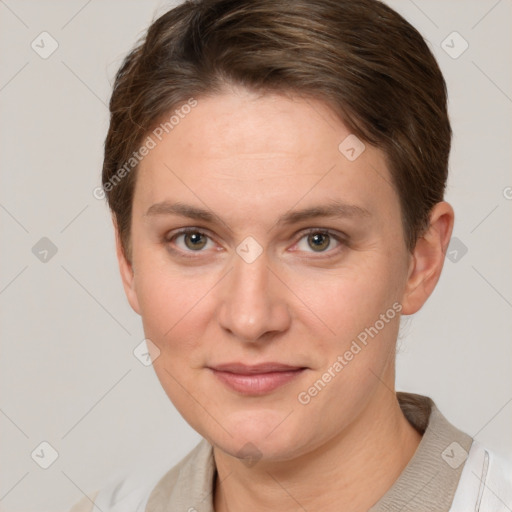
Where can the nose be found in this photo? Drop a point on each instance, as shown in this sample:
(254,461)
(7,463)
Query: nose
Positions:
(253,305)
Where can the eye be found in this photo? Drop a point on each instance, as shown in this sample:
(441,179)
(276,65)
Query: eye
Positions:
(191,240)
(318,241)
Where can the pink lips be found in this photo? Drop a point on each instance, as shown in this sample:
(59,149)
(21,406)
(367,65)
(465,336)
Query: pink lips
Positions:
(255,379)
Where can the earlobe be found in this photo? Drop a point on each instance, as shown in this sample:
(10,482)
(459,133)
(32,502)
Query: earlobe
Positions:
(127,272)
(427,259)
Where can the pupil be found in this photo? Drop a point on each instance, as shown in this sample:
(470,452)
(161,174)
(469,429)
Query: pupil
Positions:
(318,241)
(195,241)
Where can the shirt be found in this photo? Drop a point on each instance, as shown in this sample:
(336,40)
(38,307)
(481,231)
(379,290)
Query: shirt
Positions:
(431,481)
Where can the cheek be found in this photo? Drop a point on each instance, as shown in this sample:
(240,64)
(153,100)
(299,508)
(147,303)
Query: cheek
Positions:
(175,314)
(363,311)
(349,299)
(167,299)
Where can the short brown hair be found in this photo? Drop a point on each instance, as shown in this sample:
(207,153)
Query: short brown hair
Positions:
(361,57)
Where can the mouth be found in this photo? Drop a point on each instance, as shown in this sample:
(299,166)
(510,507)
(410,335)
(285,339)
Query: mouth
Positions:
(255,379)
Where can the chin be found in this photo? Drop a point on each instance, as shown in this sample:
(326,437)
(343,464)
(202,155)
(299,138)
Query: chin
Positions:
(260,435)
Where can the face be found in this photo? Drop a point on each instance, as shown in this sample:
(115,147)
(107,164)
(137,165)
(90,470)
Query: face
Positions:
(269,270)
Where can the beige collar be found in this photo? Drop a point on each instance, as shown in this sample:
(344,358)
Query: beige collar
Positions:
(428,482)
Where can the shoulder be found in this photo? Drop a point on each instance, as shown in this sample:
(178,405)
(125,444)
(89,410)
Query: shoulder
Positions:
(485,483)
(132,492)
(128,494)
(188,483)
(86,504)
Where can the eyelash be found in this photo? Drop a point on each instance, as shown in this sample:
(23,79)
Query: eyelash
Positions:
(340,239)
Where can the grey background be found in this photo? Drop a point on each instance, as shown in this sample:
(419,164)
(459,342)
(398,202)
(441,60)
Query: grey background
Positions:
(68,373)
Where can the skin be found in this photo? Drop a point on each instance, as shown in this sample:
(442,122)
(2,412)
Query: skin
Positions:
(249,159)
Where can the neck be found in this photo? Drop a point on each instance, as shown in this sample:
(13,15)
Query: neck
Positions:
(352,471)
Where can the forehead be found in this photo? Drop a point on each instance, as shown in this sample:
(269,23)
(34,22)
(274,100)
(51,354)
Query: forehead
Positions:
(249,149)
(245,123)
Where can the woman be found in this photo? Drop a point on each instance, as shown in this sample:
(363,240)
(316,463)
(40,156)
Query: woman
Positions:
(276,171)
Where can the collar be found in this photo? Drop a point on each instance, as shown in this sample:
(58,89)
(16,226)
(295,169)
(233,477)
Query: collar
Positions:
(428,482)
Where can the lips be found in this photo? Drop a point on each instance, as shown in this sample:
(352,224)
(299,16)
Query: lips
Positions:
(255,379)
(243,369)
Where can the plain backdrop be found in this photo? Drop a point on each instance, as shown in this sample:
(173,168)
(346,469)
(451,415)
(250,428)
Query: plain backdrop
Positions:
(68,373)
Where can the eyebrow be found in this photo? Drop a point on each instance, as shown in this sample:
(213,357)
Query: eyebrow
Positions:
(183,210)
(333,209)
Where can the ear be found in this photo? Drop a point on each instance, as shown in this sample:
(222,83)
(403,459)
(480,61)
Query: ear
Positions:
(127,271)
(427,258)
